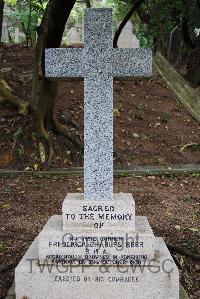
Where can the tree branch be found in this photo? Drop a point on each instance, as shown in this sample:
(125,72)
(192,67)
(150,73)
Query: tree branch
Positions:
(133,9)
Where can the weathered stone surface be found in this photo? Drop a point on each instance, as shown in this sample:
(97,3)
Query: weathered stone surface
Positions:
(120,212)
(63,63)
(187,95)
(98,105)
(90,246)
(11,293)
(127,39)
(97,255)
(73,36)
(132,63)
(98,63)
(150,282)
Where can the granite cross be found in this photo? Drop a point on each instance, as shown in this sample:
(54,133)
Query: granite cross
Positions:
(98,62)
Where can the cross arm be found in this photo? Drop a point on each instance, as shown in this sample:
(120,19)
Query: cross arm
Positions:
(132,63)
(64,63)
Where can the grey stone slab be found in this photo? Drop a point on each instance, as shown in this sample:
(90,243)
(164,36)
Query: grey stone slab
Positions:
(98,28)
(98,63)
(62,63)
(93,247)
(132,62)
(153,282)
(98,138)
(11,293)
(99,215)
(98,105)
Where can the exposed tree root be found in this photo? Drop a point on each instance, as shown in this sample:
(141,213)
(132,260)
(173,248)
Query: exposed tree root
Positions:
(61,129)
(183,251)
(44,134)
(6,96)
(41,115)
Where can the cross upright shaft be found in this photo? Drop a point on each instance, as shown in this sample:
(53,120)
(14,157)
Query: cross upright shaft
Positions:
(98,106)
(98,63)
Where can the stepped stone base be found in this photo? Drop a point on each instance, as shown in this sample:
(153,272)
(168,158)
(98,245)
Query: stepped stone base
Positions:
(158,281)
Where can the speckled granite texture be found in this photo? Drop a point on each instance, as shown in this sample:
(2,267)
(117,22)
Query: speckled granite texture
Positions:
(98,63)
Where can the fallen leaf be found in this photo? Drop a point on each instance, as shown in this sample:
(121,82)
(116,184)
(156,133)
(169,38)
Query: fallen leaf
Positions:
(116,112)
(177,227)
(197,267)
(2,246)
(6,206)
(168,213)
(35,166)
(135,135)
(194,229)
(181,261)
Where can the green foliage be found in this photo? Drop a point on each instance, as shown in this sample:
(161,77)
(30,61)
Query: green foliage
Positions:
(12,2)
(18,133)
(163,17)
(26,14)
(2,247)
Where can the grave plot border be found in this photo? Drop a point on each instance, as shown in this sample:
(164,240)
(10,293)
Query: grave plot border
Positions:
(172,170)
(187,96)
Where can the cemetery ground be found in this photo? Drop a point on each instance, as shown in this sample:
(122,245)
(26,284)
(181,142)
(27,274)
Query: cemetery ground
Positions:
(170,203)
(150,128)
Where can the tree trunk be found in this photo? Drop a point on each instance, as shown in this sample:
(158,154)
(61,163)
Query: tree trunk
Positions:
(133,9)
(143,15)
(185,33)
(50,34)
(87,3)
(198,3)
(37,71)
(193,67)
(185,28)
(28,29)
(1,16)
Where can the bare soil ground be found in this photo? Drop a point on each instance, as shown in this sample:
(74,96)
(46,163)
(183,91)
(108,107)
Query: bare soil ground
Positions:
(150,126)
(171,205)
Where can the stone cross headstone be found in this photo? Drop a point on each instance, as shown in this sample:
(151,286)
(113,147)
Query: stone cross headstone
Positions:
(135,41)
(98,63)
(5,37)
(73,36)
(127,39)
(97,248)
(18,35)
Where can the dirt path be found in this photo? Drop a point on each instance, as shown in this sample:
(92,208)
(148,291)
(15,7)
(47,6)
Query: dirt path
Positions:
(150,126)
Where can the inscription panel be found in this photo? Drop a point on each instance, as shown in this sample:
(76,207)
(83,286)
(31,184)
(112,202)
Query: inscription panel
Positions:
(89,247)
(99,214)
